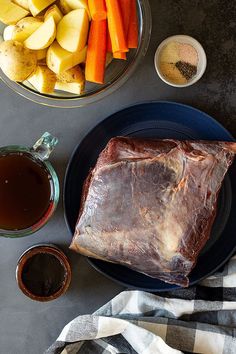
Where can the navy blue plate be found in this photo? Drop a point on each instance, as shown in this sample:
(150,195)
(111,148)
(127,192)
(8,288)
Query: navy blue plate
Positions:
(159,120)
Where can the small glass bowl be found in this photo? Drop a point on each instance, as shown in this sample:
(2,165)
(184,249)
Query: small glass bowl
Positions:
(48,249)
(116,73)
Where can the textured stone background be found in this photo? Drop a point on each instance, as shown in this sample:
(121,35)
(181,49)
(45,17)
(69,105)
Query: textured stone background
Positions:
(213,24)
(28,327)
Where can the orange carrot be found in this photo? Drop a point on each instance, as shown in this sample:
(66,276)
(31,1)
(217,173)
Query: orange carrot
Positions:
(116,27)
(109,47)
(96,52)
(125,13)
(125,6)
(97,9)
(119,55)
(133,26)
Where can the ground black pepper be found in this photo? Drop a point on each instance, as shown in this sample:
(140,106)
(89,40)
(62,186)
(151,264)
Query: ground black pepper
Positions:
(186,69)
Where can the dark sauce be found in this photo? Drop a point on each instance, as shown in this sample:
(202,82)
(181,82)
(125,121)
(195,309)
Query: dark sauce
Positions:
(43,274)
(25,191)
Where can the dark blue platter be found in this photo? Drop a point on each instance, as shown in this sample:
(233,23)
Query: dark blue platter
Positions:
(159,120)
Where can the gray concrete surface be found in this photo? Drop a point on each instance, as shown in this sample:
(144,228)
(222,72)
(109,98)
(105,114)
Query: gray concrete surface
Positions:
(29,327)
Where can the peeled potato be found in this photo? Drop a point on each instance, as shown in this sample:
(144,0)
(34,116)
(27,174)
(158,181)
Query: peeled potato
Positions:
(43,36)
(74,74)
(36,6)
(59,59)
(72,30)
(11,13)
(43,79)
(55,12)
(24,28)
(22,3)
(16,61)
(72,87)
(71,80)
(79,4)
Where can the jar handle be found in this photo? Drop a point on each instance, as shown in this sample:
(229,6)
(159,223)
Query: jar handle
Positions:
(44,146)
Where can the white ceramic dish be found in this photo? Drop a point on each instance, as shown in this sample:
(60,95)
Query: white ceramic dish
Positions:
(202,60)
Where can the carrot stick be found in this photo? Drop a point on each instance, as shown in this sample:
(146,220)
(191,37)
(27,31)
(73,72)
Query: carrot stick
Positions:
(133,26)
(97,9)
(116,27)
(109,47)
(96,52)
(119,55)
(125,6)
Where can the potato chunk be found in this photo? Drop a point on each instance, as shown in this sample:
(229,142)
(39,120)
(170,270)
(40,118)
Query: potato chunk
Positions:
(16,61)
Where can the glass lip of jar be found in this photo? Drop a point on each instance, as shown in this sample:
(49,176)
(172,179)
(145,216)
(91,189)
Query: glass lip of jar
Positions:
(55,193)
(39,249)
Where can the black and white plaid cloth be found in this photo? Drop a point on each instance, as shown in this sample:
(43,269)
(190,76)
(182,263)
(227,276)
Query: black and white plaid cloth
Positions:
(200,319)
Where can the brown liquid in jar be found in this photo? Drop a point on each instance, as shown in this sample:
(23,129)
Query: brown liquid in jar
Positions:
(25,191)
(43,274)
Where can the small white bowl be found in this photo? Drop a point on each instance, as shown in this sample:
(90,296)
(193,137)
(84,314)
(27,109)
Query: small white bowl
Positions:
(202,60)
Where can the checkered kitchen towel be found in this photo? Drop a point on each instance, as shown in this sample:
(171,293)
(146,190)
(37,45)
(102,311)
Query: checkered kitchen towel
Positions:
(200,319)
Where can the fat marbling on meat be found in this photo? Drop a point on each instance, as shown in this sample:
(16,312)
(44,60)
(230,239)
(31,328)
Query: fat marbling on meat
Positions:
(150,204)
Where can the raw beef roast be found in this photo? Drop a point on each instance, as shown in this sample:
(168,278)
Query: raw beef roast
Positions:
(150,204)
